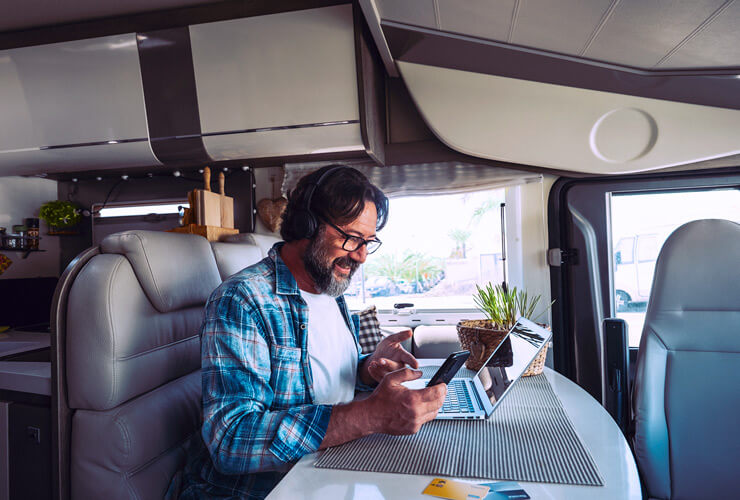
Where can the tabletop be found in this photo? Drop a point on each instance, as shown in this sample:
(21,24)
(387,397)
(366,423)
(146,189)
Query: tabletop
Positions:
(594,425)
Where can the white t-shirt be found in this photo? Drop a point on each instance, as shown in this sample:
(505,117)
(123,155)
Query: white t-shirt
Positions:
(331,350)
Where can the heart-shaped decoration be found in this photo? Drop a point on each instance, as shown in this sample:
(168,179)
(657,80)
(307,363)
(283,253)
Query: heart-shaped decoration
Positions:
(271,211)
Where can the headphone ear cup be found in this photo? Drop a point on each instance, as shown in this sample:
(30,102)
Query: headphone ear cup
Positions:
(304,224)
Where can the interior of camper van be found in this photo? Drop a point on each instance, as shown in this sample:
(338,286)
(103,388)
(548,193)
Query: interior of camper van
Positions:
(575,164)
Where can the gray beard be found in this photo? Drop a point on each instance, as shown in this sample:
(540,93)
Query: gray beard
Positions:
(320,267)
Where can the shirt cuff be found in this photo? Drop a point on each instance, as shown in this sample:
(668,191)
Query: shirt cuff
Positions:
(302,435)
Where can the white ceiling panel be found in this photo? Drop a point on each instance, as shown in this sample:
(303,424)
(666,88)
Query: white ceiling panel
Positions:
(565,26)
(640,33)
(416,12)
(480,18)
(717,44)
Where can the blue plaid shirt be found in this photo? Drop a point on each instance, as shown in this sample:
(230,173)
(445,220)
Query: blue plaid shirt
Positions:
(258,412)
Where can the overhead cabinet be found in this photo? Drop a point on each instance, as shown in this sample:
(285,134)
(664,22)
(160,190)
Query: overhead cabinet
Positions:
(276,85)
(72,106)
(267,86)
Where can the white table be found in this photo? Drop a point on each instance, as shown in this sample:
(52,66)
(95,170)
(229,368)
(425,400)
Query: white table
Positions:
(595,426)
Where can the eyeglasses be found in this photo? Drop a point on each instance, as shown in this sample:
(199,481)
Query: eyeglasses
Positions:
(353,243)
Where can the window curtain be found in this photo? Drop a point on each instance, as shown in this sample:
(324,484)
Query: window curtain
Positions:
(422,179)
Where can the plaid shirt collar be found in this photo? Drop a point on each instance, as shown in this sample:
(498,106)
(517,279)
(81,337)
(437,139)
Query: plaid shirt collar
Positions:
(285,283)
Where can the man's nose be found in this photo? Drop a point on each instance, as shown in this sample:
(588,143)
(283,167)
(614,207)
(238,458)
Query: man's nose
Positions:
(360,255)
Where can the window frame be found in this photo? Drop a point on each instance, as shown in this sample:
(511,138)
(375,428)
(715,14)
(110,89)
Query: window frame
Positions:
(579,223)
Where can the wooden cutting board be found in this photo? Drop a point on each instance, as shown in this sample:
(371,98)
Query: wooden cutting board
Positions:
(227,203)
(207,203)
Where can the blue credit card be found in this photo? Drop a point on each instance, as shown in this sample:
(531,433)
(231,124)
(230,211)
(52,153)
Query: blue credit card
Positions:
(505,490)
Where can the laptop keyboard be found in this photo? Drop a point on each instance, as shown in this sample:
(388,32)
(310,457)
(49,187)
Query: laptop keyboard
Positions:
(458,398)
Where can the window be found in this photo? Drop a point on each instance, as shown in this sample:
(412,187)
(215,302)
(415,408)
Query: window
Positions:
(435,250)
(648,219)
(151,215)
(625,251)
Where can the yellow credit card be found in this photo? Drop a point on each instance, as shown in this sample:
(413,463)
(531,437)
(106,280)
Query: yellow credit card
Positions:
(455,490)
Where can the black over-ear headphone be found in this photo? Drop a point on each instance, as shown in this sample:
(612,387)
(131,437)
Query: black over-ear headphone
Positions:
(306,222)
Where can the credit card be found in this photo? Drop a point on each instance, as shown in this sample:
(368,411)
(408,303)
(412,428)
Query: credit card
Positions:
(505,490)
(455,490)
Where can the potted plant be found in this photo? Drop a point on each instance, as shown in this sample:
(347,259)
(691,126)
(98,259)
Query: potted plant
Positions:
(60,216)
(502,306)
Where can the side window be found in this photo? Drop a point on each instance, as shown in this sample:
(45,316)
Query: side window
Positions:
(625,251)
(652,217)
(435,250)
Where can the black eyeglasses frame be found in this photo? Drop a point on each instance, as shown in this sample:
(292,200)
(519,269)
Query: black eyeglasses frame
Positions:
(347,237)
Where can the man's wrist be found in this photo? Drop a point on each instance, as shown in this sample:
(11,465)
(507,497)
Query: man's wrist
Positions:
(364,373)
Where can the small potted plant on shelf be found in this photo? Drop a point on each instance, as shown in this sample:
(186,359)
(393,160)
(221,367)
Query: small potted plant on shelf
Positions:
(62,217)
(502,306)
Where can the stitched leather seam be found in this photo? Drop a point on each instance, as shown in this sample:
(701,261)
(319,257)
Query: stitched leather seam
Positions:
(146,464)
(149,265)
(158,348)
(114,271)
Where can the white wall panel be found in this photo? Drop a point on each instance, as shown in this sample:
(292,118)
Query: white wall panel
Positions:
(566,128)
(21,197)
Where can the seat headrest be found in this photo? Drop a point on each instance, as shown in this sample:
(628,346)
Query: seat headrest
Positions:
(263,241)
(698,268)
(174,270)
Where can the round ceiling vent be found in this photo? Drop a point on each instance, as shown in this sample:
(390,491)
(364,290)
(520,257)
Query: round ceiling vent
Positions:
(623,135)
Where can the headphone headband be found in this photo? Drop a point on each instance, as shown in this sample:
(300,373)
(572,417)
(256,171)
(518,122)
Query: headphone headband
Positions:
(314,186)
(306,222)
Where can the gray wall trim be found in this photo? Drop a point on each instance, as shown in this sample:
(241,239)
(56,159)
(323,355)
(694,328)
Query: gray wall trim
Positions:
(170,96)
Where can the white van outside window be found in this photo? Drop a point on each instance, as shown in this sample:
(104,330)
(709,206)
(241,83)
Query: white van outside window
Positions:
(641,223)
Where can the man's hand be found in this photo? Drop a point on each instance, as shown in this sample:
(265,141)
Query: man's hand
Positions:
(388,357)
(390,409)
(394,409)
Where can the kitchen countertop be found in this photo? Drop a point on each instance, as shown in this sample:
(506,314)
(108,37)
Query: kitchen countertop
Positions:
(24,376)
(15,342)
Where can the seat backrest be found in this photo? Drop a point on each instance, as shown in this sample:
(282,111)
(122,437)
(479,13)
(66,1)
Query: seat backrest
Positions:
(132,357)
(126,359)
(685,401)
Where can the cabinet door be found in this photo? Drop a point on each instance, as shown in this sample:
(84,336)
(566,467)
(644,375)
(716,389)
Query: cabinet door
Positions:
(279,84)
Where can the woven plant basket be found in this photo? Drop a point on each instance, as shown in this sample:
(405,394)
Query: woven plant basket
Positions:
(481,339)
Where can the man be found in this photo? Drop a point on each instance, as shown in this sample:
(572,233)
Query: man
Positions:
(280,355)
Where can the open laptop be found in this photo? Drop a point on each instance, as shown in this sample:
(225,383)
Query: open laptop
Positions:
(478,397)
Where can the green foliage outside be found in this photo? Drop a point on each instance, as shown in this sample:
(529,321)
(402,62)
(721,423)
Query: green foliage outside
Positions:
(410,266)
(60,214)
(460,237)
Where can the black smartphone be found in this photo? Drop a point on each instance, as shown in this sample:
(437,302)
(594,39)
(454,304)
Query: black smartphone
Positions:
(449,368)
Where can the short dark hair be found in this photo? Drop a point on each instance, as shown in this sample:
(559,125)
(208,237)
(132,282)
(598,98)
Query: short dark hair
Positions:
(340,199)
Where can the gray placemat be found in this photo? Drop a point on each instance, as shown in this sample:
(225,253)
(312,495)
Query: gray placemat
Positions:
(528,438)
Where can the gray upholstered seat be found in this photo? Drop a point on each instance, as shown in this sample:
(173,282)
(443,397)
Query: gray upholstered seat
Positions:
(686,402)
(127,360)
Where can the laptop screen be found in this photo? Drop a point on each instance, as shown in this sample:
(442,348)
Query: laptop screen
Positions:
(511,359)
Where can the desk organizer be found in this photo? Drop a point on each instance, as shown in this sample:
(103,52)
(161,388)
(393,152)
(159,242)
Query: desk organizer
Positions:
(528,438)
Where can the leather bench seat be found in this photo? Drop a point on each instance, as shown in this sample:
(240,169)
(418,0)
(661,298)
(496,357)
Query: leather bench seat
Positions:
(127,322)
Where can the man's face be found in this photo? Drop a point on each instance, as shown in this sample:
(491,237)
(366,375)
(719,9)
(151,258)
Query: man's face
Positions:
(329,265)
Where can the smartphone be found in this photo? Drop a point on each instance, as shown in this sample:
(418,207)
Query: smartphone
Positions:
(449,368)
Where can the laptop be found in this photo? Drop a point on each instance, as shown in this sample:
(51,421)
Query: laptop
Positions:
(478,397)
